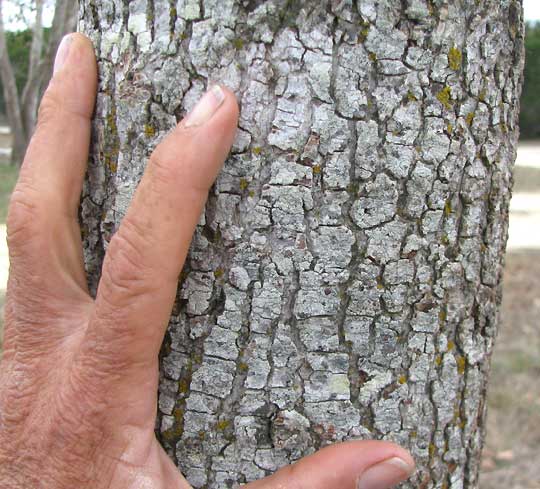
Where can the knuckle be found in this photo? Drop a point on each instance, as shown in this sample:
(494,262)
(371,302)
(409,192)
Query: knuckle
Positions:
(125,273)
(178,160)
(163,166)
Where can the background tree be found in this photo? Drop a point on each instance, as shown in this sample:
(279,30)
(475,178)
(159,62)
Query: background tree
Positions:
(21,106)
(345,278)
(529,120)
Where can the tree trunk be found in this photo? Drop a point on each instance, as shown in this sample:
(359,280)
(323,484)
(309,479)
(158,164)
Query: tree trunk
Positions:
(64,22)
(11,97)
(31,92)
(345,279)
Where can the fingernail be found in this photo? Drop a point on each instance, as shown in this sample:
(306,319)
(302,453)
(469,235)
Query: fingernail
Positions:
(62,53)
(206,108)
(385,474)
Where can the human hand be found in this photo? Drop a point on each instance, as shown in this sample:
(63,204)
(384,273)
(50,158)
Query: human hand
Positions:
(78,379)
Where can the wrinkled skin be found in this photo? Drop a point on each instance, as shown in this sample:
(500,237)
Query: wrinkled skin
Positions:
(78,379)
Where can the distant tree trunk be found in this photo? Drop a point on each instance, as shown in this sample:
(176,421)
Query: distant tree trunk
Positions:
(64,21)
(22,110)
(344,281)
(11,97)
(31,93)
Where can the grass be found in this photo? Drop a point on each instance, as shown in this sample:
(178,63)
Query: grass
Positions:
(517,362)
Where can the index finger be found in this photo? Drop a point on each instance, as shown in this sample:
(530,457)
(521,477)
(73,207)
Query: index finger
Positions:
(146,255)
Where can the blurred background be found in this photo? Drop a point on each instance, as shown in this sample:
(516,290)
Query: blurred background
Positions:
(30,31)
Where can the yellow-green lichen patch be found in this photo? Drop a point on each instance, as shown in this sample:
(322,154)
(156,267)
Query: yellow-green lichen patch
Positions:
(469,118)
(149,131)
(218,273)
(244,184)
(111,162)
(238,43)
(411,97)
(257,150)
(178,415)
(482,95)
(372,57)
(461,364)
(317,169)
(111,121)
(449,129)
(183,386)
(445,97)
(438,360)
(183,36)
(362,36)
(223,424)
(402,379)
(448,208)
(177,430)
(451,345)
(455,58)
(442,317)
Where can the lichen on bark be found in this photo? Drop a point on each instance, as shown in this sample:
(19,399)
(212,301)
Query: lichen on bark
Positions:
(344,280)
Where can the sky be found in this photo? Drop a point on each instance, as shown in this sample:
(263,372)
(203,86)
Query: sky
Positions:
(531,7)
(10,11)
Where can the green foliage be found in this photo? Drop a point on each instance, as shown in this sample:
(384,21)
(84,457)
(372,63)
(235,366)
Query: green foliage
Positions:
(530,101)
(18,45)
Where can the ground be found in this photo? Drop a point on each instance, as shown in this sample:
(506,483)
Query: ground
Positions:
(513,440)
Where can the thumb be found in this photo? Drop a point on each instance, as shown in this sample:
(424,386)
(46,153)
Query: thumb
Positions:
(350,465)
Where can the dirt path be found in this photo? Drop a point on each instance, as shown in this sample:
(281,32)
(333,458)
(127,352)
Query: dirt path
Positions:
(512,453)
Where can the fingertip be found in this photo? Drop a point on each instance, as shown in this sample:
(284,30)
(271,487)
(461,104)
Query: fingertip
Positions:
(364,453)
(225,122)
(231,105)
(74,51)
(377,464)
(74,79)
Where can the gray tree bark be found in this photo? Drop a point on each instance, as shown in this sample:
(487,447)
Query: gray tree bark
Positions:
(345,279)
